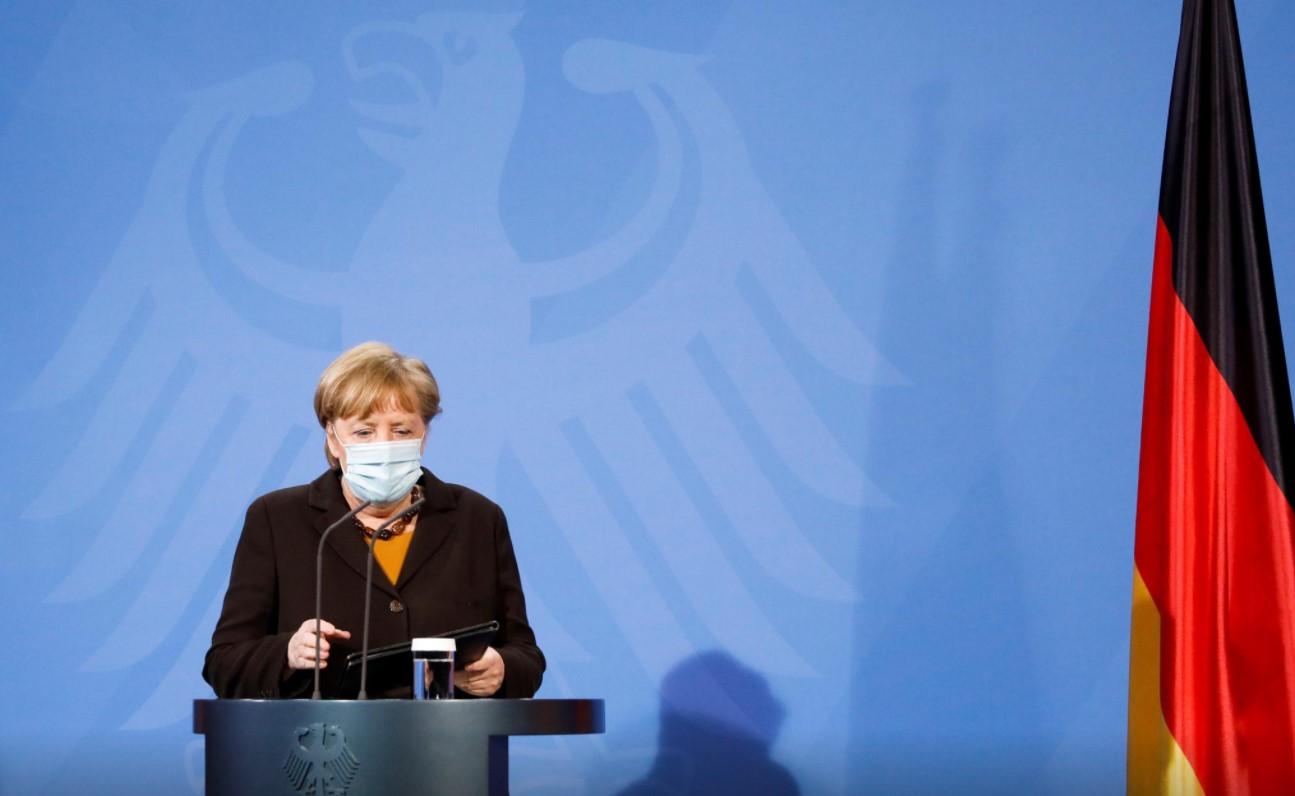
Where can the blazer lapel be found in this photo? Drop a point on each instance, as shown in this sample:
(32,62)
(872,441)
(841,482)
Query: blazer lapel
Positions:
(435,524)
(325,495)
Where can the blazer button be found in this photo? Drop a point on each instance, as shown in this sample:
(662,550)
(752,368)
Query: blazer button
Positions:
(396,606)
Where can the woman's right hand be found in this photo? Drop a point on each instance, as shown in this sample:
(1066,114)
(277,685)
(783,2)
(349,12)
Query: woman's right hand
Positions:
(301,647)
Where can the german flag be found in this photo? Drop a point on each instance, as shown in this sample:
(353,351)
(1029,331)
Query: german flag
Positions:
(1212,663)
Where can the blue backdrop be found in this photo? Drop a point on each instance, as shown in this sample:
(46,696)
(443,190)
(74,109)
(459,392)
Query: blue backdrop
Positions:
(802,343)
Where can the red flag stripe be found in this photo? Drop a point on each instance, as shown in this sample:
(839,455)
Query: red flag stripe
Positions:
(1214,547)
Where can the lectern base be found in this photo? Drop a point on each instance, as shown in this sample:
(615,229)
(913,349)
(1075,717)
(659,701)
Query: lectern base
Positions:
(352,748)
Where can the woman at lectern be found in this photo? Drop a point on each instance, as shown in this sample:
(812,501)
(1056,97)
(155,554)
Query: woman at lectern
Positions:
(448,566)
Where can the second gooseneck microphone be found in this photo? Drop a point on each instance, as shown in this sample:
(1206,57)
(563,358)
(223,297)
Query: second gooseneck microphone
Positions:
(379,534)
(319,581)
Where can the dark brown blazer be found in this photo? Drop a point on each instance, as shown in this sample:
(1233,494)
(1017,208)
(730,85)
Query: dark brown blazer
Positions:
(459,570)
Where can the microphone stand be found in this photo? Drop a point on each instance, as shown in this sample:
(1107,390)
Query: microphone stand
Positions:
(379,534)
(319,582)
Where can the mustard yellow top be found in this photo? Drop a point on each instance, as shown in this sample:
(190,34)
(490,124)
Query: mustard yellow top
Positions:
(390,554)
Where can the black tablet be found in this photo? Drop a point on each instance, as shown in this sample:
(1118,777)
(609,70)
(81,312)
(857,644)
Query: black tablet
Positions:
(391,666)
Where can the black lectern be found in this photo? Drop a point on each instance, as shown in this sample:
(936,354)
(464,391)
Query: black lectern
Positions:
(379,746)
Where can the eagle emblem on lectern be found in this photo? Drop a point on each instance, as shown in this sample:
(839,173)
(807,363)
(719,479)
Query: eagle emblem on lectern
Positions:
(319,761)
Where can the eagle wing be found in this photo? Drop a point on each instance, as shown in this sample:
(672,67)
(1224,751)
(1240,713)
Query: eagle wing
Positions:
(192,367)
(714,439)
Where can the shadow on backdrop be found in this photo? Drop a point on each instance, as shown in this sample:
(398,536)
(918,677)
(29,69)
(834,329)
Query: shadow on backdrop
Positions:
(944,697)
(718,723)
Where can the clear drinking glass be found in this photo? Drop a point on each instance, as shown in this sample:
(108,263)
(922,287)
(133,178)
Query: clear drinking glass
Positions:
(433,668)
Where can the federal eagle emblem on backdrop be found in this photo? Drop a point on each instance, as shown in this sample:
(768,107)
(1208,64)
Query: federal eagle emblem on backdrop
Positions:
(669,411)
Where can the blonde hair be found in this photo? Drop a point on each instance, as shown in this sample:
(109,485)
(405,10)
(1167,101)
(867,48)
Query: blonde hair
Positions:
(371,377)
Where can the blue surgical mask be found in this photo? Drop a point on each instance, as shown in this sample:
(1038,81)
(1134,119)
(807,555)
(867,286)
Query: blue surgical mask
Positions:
(383,472)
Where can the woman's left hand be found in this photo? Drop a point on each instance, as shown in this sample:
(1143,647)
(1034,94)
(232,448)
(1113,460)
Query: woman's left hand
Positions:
(483,676)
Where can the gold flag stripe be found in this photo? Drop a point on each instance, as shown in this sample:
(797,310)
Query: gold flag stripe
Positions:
(1156,764)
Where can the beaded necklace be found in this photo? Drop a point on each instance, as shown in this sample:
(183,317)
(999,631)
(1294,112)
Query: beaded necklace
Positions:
(397,527)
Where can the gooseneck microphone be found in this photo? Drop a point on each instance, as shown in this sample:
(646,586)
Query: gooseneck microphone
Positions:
(380,534)
(319,581)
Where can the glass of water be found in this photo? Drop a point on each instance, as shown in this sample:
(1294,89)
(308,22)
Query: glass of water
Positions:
(433,668)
